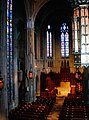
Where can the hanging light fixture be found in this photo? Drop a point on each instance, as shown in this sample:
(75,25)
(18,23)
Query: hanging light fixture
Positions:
(30,75)
(1,83)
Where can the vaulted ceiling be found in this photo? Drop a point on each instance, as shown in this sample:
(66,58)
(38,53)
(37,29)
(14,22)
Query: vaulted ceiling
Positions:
(54,12)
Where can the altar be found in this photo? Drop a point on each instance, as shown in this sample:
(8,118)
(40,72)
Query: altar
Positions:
(64,89)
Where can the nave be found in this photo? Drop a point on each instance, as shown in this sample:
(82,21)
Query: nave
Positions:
(44,44)
(62,102)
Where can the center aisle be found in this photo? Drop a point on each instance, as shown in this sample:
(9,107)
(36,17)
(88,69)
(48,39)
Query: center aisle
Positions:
(54,114)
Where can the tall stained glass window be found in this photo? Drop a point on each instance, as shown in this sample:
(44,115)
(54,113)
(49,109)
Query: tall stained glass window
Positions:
(76,31)
(9,51)
(49,42)
(64,40)
(84,35)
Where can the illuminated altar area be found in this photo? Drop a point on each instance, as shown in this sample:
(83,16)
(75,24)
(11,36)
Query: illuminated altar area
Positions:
(64,89)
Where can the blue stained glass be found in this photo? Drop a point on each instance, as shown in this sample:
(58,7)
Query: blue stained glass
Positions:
(62,43)
(64,27)
(9,51)
(64,40)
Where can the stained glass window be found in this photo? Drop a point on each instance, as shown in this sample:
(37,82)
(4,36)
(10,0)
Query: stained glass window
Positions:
(9,51)
(64,40)
(84,35)
(49,42)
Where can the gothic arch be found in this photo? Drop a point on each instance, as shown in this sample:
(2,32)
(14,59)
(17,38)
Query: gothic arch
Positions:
(37,9)
(36,5)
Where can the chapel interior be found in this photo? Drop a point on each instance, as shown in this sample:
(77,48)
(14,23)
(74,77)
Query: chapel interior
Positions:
(44,60)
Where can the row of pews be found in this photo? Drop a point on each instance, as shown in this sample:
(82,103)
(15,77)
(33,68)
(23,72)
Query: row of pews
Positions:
(37,110)
(74,108)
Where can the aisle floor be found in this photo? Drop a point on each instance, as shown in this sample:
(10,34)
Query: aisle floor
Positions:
(54,114)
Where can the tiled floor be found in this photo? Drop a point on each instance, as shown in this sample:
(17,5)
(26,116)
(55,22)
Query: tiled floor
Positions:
(54,114)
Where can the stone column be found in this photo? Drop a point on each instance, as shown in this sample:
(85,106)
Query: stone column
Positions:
(15,67)
(30,61)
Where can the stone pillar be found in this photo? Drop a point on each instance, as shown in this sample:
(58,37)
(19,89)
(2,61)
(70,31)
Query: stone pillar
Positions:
(30,61)
(15,38)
